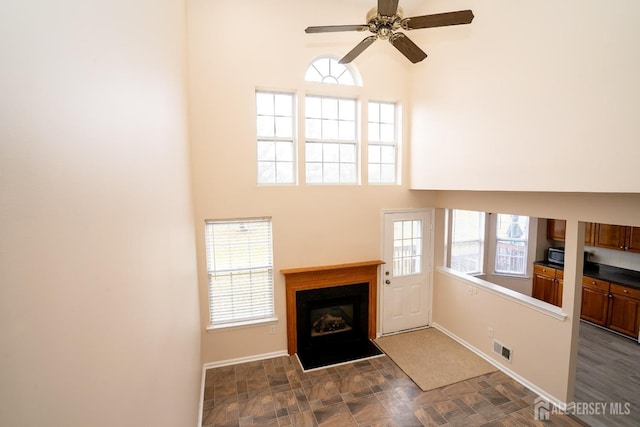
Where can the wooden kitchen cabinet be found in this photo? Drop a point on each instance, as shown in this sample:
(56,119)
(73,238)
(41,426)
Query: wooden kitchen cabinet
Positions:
(613,306)
(624,310)
(548,284)
(556,230)
(619,237)
(589,234)
(633,239)
(595,300)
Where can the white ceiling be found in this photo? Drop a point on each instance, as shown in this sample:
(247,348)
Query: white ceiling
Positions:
(407,5)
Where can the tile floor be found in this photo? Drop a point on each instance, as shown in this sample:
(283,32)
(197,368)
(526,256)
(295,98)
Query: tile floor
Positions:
(373,392)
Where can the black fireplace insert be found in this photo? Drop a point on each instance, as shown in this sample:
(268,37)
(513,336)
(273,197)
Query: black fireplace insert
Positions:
(332,325)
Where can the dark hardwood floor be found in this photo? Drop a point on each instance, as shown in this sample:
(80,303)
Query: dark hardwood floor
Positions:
(374,392)
(608,372)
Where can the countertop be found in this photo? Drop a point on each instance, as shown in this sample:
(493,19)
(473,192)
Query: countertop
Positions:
(608,273)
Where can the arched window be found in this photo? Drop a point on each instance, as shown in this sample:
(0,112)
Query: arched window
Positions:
(329,70)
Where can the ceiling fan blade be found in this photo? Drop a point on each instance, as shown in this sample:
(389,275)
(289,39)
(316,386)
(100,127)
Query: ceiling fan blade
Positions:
(407,47)
(360,47)
(335,28)
(387,7)
(438,20)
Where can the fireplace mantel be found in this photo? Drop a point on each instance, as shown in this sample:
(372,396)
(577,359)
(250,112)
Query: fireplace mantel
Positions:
(300,279)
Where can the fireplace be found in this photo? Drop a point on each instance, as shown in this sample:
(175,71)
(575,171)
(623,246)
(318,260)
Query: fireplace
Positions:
(331,313)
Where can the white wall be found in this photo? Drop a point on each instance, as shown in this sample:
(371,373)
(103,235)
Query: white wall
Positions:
(312,225)
(532,96)
(544,347)
(98,295)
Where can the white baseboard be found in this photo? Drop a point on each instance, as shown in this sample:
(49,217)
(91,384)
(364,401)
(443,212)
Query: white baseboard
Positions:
(553,400)
(246,359)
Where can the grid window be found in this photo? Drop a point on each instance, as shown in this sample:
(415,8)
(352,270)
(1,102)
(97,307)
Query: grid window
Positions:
(512,233)
(331,146)
(467,241)
(240,267)
(382,147)
(407,247)
(275,138)
(329,70)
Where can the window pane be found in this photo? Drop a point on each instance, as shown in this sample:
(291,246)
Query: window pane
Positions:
(313,107)
(374,173)
(284,127)
(329,108)
(347,131)
(339,159)
(347,109)
(512,233)
(348,173)
(312,75)
(266,126)
(374,154)
(407,247)
(264,103)
(283,105)
(285,172)
(313,152)
(388,154)
(374,112)
(284,151)
(387,133)
(240,266)
(382,129)
(331,172)
(387,173)
(314,173)
(274,127)
(266,150)
(329,70)
(347,153)
(322,65)
(314,128)
(331,153)
(374,132)
(330,129)
(467,241)
(387,113)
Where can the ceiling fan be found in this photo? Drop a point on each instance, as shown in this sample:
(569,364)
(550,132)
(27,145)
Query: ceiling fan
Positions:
(384,21)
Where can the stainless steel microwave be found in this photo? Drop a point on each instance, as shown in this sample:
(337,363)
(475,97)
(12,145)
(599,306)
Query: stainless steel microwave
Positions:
(555,256)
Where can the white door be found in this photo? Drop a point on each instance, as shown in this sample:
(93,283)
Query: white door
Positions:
(406,274)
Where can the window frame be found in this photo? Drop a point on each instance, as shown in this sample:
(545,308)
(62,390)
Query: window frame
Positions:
(482,238)
(380,143)
(495,243)
(275,139)
(263,310)
(325,143)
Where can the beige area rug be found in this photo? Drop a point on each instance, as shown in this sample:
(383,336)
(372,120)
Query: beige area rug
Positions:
(432,359)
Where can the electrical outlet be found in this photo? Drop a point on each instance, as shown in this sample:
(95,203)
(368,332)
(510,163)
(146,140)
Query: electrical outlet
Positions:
(490,332)
(272,329)
(470,290)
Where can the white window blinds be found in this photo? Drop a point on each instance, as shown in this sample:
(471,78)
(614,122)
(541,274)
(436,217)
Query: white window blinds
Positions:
(240,267)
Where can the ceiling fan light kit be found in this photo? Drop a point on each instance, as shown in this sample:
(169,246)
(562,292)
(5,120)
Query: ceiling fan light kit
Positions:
(384,22)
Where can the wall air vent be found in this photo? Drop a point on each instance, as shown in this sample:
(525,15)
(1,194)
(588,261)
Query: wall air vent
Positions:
(502,350)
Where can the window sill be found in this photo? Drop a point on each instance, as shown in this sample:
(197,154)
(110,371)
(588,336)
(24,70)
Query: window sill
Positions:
(522,299)
(513,276)
(244,324)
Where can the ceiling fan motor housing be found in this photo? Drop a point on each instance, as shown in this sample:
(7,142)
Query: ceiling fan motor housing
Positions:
(382,25)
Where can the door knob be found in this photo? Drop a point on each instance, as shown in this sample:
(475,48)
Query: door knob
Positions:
(388,282)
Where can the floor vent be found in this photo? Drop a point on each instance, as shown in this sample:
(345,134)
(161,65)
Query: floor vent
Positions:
(502,350)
